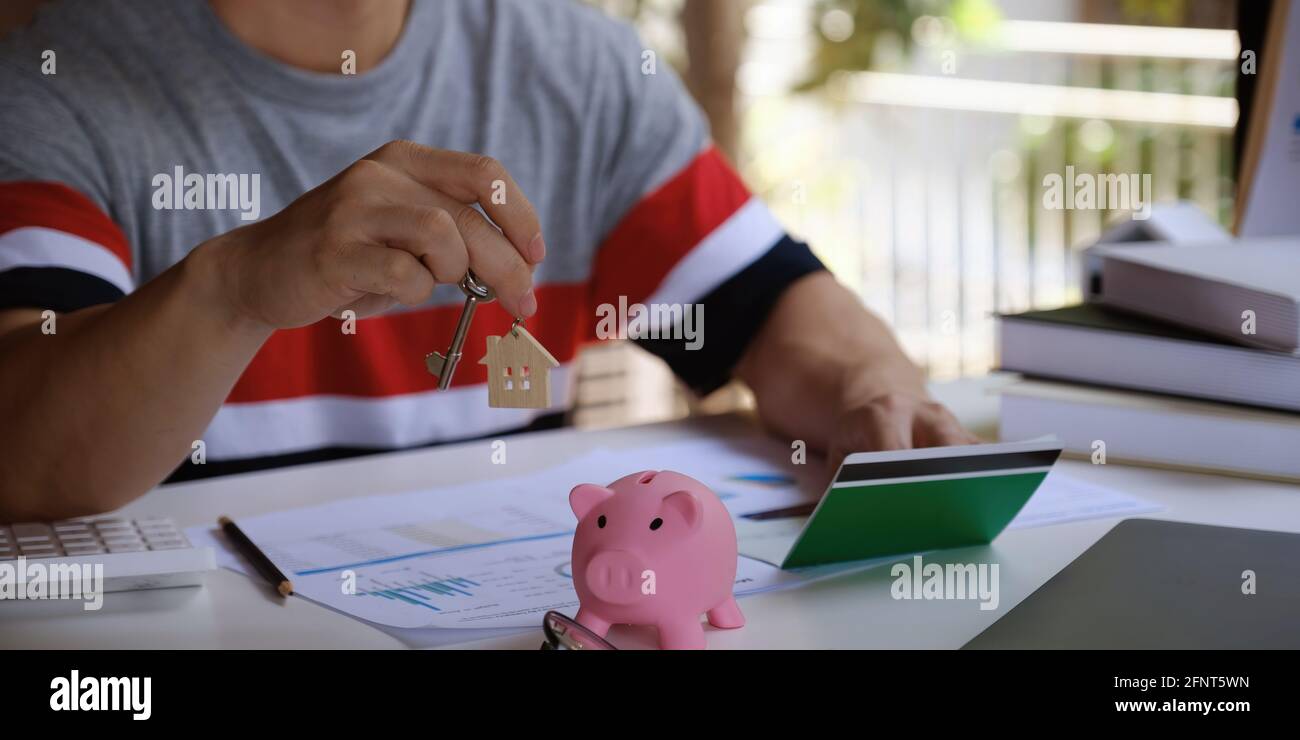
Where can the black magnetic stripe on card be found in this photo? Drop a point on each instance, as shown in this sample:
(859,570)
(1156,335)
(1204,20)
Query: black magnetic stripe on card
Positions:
(946,465)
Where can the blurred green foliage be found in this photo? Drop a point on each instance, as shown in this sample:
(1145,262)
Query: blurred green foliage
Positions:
(882,32)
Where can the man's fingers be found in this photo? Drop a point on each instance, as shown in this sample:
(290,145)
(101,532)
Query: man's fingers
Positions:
(890,425)
(382,271)
(428,233)
(472,178)
(366,306)
(872,427)
(937,427)
(450,238)
(395,210)
(492,258)
(444,232)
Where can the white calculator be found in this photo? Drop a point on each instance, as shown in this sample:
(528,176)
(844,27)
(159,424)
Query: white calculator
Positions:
(136,553)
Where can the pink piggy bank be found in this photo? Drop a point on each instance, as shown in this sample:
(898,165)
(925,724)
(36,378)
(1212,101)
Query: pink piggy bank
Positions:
(654,548)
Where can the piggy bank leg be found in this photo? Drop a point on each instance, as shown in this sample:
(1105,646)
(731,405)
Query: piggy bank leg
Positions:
(685,634)
(727,615)
(592,622)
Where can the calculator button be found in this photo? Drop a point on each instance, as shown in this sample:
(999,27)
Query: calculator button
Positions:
(126,548)
(167,545)
(32,530)
(77,539)
(84,550)
(163,536)
(119,537)
(35,542)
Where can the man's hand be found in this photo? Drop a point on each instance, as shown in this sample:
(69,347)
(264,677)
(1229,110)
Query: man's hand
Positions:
(826,371)
(127,387)
(383,231)
(896,420)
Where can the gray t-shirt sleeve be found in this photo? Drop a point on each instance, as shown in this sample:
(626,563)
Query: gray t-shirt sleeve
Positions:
(59,248)
(46,139)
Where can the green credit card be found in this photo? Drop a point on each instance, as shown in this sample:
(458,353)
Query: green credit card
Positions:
(906,501)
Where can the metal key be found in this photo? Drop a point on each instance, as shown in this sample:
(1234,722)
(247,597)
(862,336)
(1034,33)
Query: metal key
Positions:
(444,366)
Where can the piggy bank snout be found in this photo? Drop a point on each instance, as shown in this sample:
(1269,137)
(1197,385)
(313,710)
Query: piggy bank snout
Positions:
(614,576)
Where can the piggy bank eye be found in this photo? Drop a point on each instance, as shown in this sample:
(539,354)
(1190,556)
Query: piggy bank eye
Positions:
(656,524)
(600,522)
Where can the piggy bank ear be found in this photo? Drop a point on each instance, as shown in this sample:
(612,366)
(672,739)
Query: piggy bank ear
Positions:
(687,506)
(587,496)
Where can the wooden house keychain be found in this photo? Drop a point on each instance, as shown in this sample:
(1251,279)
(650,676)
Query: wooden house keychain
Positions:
(519,370)
(519,367)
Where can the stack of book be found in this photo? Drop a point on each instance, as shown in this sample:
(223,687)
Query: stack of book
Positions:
(1185,356)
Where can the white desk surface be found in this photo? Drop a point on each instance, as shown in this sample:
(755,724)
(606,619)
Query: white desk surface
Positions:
(851,611)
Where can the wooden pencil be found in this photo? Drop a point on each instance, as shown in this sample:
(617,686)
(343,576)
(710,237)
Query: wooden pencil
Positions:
(255,556)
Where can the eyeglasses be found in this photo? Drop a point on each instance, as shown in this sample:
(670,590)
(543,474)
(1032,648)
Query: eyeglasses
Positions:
(563,633)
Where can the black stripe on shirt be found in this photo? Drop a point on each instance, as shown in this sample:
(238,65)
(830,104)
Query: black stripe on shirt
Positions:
(733,314)
(55,288)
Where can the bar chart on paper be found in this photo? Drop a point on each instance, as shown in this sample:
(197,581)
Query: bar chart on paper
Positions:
(496,585)
(423,593)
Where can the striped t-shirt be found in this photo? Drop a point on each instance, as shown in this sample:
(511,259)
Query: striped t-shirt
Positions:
(145,96)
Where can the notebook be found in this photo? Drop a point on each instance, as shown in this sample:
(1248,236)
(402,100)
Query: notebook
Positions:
(1244,292)
(1089,344)
(1156,430)
(1166,586)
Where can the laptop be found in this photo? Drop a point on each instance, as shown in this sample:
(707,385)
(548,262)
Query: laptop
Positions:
(1152,584)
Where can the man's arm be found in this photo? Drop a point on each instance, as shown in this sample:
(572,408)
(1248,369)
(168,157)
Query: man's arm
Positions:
(827,371)
(106,406)
(100,410)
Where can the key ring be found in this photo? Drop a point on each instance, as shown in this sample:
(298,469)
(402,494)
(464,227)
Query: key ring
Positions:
(471,286)
(514,326)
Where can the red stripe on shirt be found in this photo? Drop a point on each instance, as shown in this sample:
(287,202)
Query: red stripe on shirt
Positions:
(385,357)
(53,205)
(665,226)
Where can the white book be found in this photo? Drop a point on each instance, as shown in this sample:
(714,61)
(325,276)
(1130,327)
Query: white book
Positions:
(1089,344)
(1245,292)
(1130,427)
(1179,222)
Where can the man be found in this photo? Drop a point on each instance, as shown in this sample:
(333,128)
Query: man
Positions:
(148,302)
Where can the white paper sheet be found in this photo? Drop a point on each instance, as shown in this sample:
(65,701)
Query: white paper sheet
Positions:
(491,554)
(477,560)
(1063,499)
